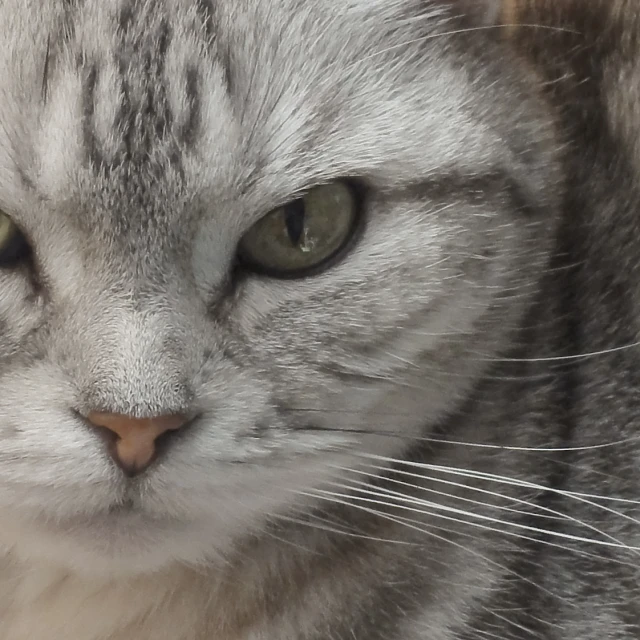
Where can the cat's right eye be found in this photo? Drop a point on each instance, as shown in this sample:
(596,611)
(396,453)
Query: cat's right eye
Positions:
(13,245)
(305,236)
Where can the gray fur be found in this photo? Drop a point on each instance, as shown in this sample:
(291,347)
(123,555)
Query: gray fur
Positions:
(340,479)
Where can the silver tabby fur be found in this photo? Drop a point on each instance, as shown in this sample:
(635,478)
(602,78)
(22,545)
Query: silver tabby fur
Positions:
(411,445)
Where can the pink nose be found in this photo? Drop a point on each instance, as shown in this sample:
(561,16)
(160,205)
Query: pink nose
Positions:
(134,445)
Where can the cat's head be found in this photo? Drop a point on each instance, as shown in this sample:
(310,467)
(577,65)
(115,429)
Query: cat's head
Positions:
(303,227)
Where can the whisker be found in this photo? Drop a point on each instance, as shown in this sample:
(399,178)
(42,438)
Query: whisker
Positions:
(552,513)
(455,32)
(326,526)
(402,521)
(447,509)
(512,623)
(418,526)
(591,470)
(544,541)
(555,515)
(451,441)
(360,483)
(577,357)
(481,475)
(483,633)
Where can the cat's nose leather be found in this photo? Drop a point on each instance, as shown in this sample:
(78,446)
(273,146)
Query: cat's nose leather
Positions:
(133,445)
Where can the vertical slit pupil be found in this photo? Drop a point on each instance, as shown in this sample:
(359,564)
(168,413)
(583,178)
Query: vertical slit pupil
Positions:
(294,215)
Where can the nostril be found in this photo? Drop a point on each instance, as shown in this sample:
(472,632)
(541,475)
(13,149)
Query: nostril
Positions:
(125,425)
(110,440)
(168,439)
(134,443)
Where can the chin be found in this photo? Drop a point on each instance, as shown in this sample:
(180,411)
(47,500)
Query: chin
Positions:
(132,529)
(120,543)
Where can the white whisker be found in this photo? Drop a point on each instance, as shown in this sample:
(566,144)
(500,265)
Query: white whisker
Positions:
(511,623)
(403,504)
(455,32)
(444,494)
(419,527)
(586,498)
(577,357)
(458,532)
(462,443)
(324,525)
(547,512)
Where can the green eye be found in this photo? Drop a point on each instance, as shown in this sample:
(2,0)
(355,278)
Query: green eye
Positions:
(303,236)
(13,244)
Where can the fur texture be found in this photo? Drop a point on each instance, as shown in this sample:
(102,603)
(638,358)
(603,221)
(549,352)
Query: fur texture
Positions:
(413,444)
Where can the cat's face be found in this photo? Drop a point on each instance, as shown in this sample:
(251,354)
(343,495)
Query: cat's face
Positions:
(139,143)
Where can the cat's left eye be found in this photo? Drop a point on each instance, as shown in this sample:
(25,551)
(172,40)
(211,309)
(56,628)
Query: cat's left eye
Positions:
(13,245)
(305,235)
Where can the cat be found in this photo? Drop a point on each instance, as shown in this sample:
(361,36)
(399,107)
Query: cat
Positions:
(319,320)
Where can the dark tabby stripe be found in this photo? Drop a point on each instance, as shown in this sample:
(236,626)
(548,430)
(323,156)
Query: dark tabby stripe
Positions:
(144,118)
(91,145)
(45,72)
(189,131)
(206,12)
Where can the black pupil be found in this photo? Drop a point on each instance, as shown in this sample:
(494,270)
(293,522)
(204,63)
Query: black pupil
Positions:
(294,220)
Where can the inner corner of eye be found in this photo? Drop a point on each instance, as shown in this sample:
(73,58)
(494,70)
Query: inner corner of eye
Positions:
(6,223)
(13,244)
(7,228)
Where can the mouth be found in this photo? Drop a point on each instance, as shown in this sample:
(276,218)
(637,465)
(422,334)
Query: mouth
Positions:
(122,519)
(124,508)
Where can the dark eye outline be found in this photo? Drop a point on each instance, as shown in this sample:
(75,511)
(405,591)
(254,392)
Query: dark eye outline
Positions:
(357,190)
(15,250)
